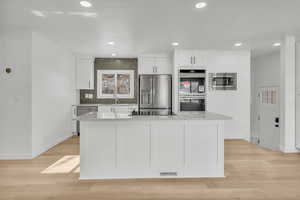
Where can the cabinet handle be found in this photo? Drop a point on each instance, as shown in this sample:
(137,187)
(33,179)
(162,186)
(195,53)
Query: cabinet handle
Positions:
(194,59)
(89,84)
(154,69)
(191,60)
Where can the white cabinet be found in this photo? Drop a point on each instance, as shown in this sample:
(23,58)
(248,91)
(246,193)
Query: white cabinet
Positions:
(133,145)
(143,148)
(167,145)
(102,139)
(191,58)
(155,65)
(201,144)
(74,112)
(85,73)
(74,127)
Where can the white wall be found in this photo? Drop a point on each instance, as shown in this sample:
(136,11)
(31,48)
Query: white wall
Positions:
(288,95)
(265,72)
(53,91)
(232,103)
(36,99)
(15,101)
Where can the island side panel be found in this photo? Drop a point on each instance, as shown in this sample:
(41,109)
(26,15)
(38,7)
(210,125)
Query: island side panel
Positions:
(204,149)
(97,148)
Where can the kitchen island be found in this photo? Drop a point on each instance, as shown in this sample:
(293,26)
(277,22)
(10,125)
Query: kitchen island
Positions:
(177,146)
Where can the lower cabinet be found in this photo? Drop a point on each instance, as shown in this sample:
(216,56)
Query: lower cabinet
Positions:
(201,147)
(151,149)
(133,145)
(167,143)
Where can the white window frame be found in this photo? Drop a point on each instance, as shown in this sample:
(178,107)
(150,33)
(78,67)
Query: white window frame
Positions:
(100,74)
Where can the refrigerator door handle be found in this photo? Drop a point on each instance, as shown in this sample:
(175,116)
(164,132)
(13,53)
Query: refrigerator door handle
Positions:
(149,98)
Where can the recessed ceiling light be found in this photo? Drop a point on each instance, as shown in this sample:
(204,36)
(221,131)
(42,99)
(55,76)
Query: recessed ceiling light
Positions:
(201,5)
(277,44)
(175,44)
(238,44)
(113,54)
(38,13)
(111,43)
(85,4)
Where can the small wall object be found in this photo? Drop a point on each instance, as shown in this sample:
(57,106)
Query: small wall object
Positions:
(8,70)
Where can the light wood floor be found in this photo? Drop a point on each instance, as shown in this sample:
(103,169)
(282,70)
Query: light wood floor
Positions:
(251,173)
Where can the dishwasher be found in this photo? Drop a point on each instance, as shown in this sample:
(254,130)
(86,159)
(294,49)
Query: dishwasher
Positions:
(82,110)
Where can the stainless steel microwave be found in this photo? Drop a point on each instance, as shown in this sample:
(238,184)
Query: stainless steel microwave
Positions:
(223,81)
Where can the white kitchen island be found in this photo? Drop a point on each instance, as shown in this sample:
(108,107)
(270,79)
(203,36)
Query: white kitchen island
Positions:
(181,146)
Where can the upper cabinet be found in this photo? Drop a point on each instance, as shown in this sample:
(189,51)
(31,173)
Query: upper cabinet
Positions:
(155,64)
(85,73)
(191,58)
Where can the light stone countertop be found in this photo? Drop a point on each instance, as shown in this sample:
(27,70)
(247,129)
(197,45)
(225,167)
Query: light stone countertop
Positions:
(95,116)
(104,105)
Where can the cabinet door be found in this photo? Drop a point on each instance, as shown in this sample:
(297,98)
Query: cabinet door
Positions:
(163,65)
(85,73)
(185,58)
(167,139)
(133,144)
(104,109)
(200,59)
(74,112)
(201,144)
(147,65)
(74,127)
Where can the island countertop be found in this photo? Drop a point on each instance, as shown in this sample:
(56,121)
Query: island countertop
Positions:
(96,116)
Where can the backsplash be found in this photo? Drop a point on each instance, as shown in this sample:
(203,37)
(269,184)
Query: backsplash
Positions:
(90,96)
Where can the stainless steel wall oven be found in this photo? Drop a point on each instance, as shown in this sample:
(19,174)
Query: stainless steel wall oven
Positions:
(192,90)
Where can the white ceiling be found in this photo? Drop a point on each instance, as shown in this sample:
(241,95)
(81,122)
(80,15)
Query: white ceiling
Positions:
(150,26)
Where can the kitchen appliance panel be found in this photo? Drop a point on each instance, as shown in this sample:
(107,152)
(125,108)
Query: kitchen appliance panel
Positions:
(155,94)
(192,103)
(146,91)
(192,95)
(223,81)
(162,86)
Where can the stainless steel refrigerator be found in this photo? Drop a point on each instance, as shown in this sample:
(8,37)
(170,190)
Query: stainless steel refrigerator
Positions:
(155,94)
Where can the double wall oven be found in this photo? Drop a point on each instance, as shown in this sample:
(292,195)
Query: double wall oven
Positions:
(192,92)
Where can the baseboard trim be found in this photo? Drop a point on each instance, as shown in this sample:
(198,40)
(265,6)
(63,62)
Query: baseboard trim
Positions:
(51,145)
